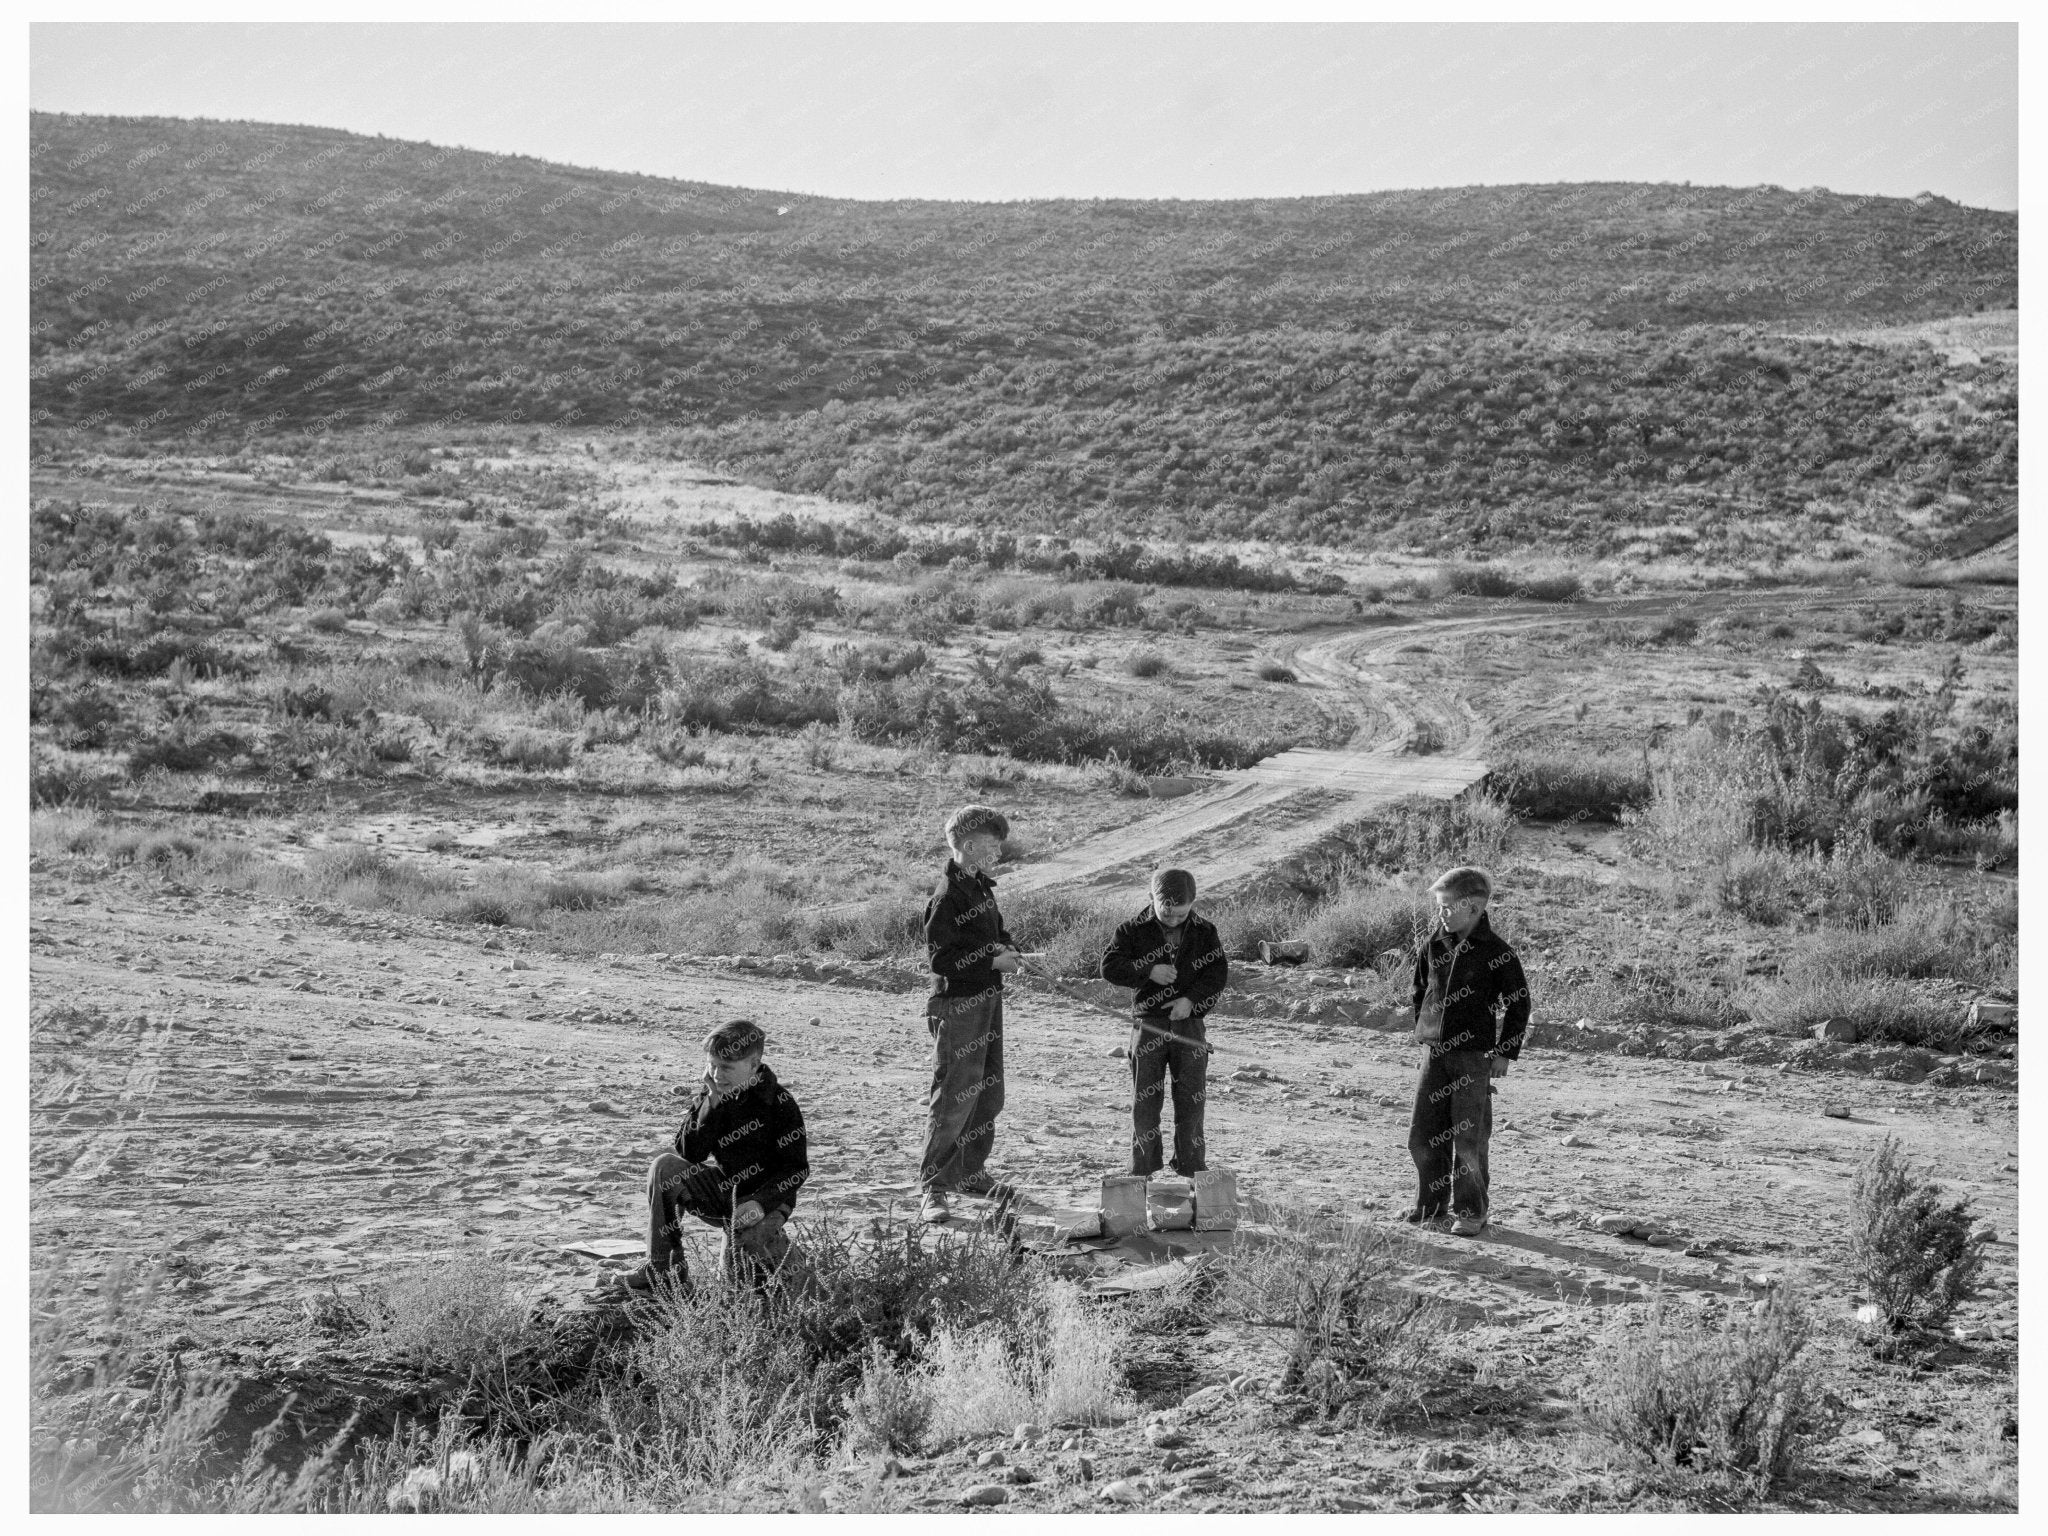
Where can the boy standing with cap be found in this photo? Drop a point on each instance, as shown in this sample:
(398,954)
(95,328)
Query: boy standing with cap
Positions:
(1471,1012)
(1172,959)
(970,952)
(738,1162)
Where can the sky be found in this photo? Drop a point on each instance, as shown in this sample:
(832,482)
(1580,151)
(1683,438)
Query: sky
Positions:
(1153,111)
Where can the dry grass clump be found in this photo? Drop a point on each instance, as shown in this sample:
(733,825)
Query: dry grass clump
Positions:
(1579,786)
(1851,883)
(1929,936)
(1360,1346)
(1731,1400)
(1357,926)
(1495,581)
(1883,1007)
(460,1314)
(1073,932)
(1911,1248)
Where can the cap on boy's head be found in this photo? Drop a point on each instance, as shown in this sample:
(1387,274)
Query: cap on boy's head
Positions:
(734,1041)
(970,819)
(1174,885)
(1465,883)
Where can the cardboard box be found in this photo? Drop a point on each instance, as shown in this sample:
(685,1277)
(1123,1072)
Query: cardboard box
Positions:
(1170,1205)
(1123,1204)
(1215,1200)
(1072,1224)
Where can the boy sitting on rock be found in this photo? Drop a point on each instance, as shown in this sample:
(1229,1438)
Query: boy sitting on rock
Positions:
(738,1162)
(1172,959)
(1471,1012)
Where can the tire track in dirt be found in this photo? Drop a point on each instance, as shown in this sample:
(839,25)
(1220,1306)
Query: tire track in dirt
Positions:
(97,1155)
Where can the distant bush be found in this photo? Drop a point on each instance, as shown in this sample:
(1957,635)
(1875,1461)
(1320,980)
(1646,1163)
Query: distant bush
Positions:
(1798,776)
(533,750)
(1911,1248)
(185,747)
(1928,937)
(1265,912)
(1356,927)
(1852,883)
(1492,581)
(1887,1008)
(1072,931)
(1733,1400)
(1145,664)
(1571,786)
(1419,832)
(1123,779)
(1273,672)
(63,781)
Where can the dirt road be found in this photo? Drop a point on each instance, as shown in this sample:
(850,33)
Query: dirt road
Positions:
(1416,736)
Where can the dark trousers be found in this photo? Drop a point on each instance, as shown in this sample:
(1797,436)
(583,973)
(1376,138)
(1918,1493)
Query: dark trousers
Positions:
(752,1252)
(1180,1049)
(967,1086)
(1448,1135)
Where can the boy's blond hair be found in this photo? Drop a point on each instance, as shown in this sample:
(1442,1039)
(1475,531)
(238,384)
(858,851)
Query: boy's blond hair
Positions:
(1464,883)
(970,819)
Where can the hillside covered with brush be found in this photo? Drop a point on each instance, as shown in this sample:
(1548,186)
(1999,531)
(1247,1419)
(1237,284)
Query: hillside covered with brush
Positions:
(1435,369)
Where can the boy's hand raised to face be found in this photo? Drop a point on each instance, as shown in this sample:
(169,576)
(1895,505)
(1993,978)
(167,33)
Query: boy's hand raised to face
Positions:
(1162,974)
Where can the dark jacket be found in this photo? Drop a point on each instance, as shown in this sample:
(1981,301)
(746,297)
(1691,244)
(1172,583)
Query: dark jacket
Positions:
(756,1137)
(1459,987)
(1141,943)
(962,932)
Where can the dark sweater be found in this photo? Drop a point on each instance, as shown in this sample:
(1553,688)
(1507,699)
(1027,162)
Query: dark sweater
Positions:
(1196,953)
(756,1137)
(963,930)
(1464,985)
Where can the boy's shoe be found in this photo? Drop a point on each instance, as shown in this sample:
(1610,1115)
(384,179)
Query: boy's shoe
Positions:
(1468,1226)
(644,1279)
(936,1206)
(1416,1216)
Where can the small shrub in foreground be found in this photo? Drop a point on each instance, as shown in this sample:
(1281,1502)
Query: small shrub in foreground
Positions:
(1145,664)
(1731,1399)
(1911,1248)
(1274,672)
(890,1408)
(1358,1342)
(460,1314)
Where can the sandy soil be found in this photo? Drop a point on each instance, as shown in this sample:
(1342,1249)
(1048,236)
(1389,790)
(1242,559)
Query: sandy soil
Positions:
(281,1096)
